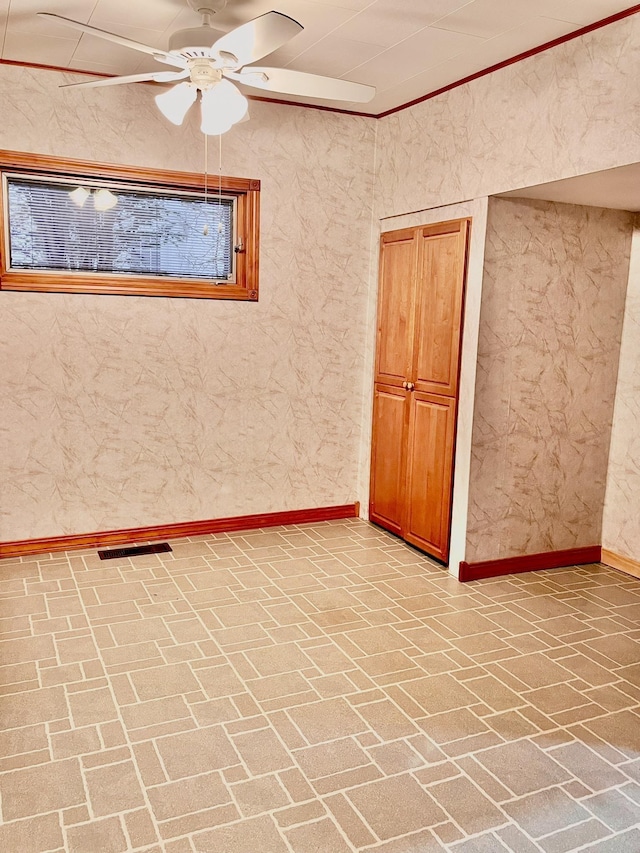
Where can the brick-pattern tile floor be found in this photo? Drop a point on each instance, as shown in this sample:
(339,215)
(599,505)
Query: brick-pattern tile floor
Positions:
(315,689)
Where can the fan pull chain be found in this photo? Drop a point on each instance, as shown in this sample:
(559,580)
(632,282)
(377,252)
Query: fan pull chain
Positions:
(205,230)
(220,226)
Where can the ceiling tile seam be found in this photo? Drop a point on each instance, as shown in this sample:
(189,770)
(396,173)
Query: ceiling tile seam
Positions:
(389,47)
(320,40)
(454,56)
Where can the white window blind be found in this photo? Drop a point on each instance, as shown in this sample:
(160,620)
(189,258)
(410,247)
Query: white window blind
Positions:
(147,233)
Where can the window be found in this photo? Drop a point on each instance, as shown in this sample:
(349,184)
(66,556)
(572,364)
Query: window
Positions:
(87,228)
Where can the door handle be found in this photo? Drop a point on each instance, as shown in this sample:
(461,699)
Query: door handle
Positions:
(410,386)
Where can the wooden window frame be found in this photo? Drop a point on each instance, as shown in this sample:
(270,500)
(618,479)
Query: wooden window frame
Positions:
(246,191)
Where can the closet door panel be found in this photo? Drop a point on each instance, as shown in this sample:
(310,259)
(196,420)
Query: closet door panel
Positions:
(390,423)
(440,291)
(430,473)
(398,258)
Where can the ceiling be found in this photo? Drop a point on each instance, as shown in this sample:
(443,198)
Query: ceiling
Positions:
(615,188)
(405,48)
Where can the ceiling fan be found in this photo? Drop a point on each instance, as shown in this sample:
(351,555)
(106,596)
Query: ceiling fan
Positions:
(208,60)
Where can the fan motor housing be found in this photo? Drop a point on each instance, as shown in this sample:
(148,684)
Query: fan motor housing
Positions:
(195,40)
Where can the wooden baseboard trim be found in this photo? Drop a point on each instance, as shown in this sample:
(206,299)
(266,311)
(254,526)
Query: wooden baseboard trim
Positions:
(529,563)
(24,547)
(618,561)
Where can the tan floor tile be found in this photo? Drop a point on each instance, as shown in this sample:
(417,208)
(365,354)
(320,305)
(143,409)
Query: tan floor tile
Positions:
(188,795)
(74,815)
(162,681)
(103,835)
(387,720)
(536,670)
(494,693)
(438,693)
(139,631)
(329,758)
(155,711)
(149,765)
(273,661)
(26,649)
(587,766)
(111,593)
(140,828)
(249,836)
(395,806)
(260,795)
(297,786)
(45,788)
(510,725)
(522,767)
(621,729)
(76,649)
(277,686)
(453,725)
(92,706)
(262,751)
(26,739)
(114,788)
(33,835)
(321,836)
(546,812)
(218,681)
(75,742)
(470,809)
(326,720)
(35,706)
(350,823)
(196,752)
(235,615)
(396,757)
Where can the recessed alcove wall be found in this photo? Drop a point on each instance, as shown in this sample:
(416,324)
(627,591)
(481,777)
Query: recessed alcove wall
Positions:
(553,301)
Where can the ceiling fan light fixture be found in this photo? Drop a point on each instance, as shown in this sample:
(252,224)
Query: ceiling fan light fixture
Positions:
(222,106)
(174,104)
(79,196)
(104,200)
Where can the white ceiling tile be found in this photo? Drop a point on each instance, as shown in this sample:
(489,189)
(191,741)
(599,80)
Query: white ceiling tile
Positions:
(413,56)
(581,12)
(335,57)
(488,18)
(91,49)
(146,14)
(23,18)
(520,39)
(41,49)
(386,22)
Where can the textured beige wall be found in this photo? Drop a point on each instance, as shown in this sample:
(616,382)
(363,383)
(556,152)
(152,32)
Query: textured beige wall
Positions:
(555,278)
(124,411)
(571,110)
(621,524)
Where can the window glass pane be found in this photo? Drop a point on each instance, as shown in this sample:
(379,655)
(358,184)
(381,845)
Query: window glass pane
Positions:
(145,233)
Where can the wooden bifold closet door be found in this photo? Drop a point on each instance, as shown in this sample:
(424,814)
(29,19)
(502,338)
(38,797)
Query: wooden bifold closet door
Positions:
(420,305)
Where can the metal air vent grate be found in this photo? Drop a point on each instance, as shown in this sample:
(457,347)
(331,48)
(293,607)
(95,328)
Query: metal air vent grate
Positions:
(134,551)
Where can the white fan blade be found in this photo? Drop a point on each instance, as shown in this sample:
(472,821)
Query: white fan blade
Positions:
(300,83)
(257,38)
(156,52)
(156,77)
